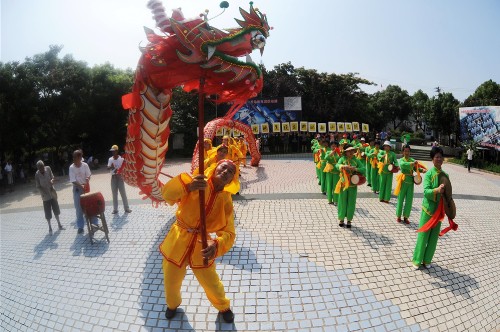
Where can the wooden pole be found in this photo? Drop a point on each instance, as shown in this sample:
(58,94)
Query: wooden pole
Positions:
(201,147)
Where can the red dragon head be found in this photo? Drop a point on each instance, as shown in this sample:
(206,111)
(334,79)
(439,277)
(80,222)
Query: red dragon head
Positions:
(192,49)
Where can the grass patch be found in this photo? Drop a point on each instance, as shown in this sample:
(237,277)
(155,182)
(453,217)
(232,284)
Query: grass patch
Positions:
(477,163)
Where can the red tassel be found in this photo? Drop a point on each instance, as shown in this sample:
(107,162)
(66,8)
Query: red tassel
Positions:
(435,219)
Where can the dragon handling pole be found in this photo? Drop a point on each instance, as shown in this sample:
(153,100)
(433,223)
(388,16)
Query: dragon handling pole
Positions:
(201,148)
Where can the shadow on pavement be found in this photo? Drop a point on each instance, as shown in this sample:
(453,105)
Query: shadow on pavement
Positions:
(48,243)
(457,283)
(245,259)
(372,239)
(261,176)
(118,222)
(82,245)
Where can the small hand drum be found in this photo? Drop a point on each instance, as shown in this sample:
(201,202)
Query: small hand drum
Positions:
(358,179)
(393,168)
(92,204)
(417,179)
(449,205)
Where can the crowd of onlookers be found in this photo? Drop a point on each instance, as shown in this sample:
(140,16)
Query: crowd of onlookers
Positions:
(21,171)
(301,142)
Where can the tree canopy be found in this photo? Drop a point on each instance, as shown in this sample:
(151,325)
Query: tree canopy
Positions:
(53,103)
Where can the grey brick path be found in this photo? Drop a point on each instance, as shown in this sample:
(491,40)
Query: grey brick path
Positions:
(292,268)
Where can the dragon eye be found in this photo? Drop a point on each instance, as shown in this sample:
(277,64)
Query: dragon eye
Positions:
(259,41)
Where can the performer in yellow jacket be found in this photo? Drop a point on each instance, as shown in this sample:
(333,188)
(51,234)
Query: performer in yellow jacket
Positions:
(182,246)
(208,149)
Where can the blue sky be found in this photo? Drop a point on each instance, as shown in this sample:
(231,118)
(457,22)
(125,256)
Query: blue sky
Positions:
(414,44)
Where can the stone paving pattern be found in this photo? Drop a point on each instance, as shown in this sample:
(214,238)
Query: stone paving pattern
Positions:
(291,269)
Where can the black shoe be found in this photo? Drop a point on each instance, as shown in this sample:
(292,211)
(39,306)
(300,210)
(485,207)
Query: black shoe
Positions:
(341,224)
(228,316)
(348,225)
(170,313)
(369,185)
(128,211)
(80,230)
(114,212)
(331,203)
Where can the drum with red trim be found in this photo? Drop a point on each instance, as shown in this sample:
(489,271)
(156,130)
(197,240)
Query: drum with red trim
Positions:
(358,179)
(417,179)
(393,168)
(92,204)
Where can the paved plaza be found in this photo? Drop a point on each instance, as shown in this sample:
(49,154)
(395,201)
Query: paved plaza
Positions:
(291,269)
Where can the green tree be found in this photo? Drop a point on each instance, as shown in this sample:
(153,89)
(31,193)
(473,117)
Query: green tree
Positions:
(325,97)
(443,114)
(487,94)
(104,120)
(18,110)
(185,118)
(392,105)
(419,102)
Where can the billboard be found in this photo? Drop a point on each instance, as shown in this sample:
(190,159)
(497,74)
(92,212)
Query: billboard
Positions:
(481,124)
(271,110)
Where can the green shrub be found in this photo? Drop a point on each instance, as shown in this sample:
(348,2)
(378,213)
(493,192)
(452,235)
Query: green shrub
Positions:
(492,167)
(477,163)
(417,141)
(418,134)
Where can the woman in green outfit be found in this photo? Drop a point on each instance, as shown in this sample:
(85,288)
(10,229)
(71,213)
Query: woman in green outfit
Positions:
(371,155)
(405,185)
(427,241)
(315,148)
(323,150)
(386,157)
(347,166)
(332,174)
(368,164)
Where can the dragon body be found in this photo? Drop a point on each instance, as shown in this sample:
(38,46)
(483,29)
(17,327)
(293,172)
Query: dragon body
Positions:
(190,49)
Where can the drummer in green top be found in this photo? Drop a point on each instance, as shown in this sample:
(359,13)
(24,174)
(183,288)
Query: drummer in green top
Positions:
(344,140)
(315,146)
(320,153)
(332,174)
(347,165)
(405,185)
(386,157)
(427,241)
(368,164)
(372,157)
(355,141)
(322,163)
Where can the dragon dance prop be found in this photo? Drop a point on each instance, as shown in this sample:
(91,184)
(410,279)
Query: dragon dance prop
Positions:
(198,57)
(211,130)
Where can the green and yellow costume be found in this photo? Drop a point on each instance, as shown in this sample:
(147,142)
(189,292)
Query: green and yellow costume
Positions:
(347,191)
(332,175)
(427,241)
(385,159)
(373,160)
(368,166)
(405,187)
